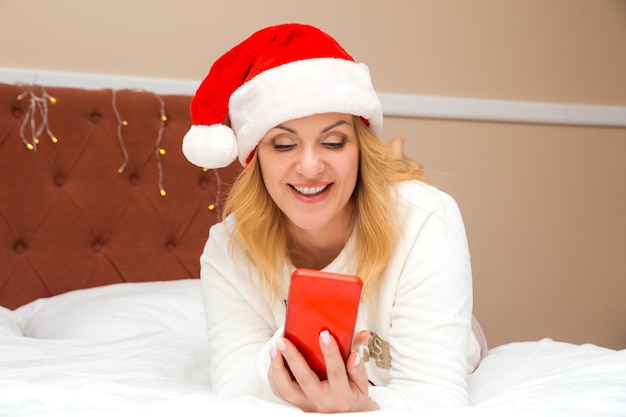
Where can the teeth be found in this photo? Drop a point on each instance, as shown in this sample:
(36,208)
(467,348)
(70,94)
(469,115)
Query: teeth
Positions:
(310,190)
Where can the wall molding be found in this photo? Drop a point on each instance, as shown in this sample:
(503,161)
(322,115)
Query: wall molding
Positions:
(395,105)
(459,108)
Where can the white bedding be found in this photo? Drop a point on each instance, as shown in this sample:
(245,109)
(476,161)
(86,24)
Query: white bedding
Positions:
(140,350)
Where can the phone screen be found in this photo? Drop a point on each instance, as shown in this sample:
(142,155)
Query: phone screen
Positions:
(319,301)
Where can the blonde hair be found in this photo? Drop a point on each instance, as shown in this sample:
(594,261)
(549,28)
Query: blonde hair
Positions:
(258,220)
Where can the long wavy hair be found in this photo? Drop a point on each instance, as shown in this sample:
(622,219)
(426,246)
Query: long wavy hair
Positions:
(258,220)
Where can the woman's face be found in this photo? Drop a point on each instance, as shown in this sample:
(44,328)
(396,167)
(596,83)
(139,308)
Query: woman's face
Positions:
(310,167)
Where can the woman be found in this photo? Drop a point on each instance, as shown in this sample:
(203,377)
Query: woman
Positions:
(319,190)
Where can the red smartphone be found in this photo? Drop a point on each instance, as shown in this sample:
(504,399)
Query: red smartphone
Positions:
(319,301)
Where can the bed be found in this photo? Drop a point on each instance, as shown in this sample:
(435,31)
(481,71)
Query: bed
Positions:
(102,222)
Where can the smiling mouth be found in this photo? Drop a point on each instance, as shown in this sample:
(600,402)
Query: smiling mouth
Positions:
(311,191)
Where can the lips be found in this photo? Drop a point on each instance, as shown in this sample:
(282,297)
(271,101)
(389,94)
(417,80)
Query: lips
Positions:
(309,191)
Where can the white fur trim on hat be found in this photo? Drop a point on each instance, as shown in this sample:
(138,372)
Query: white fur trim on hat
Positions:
(212,146)
(298,89)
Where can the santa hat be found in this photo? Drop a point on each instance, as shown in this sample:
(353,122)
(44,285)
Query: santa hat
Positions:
(279,73)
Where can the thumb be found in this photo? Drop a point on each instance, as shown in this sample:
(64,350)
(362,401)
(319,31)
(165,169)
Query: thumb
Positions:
(360,338)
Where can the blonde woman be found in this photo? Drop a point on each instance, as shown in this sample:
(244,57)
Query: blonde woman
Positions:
(319,190)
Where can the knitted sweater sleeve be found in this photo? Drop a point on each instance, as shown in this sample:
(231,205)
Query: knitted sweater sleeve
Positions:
(430,302)
(240,322)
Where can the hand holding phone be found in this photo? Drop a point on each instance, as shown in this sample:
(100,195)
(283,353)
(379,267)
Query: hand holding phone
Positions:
(319,301)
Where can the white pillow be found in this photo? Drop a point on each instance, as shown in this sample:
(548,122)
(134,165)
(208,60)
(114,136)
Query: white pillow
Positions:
(8,323)
(116,311)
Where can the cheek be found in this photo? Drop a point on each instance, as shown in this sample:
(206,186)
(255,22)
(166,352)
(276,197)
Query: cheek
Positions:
(269,173)
(350,169)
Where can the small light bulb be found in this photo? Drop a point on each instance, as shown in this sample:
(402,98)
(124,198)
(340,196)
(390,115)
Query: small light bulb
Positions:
(120,170)
(53,100)
(211,207)
(124,123)
(205,169)
(54,139)
(36,141)
(163,193)
(162,151)
(30,146)
(164,118)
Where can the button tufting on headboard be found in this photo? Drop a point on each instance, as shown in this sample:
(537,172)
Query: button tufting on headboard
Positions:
(19,248)
(69,219)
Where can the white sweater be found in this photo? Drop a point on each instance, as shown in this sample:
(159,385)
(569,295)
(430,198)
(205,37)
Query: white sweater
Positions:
(422,346)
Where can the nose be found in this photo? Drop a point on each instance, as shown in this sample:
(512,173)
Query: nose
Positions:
(310,163)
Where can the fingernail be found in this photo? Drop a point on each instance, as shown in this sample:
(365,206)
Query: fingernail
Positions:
(357,360)
(325,337)
(280,343)
(273,351)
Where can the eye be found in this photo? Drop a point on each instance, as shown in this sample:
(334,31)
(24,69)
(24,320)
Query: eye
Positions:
(283,143)
(283,148)
(334,141)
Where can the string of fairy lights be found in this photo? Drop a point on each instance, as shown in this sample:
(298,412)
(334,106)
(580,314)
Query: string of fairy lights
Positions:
(36,123)
(36,111)
(158,149)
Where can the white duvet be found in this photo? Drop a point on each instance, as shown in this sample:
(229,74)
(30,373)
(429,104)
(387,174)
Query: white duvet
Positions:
(140,350)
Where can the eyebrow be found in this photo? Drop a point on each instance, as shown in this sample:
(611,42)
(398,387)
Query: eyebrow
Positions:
(326,129)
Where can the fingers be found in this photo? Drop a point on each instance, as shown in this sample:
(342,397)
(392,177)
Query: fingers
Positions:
(357,372)
(278,374)
(340,374)
(289,375)
(335,366)
(347,380)
(292,379)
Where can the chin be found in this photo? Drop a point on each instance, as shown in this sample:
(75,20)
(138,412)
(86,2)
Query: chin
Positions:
(308,223)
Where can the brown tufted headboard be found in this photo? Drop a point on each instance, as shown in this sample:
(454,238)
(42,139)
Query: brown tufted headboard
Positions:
(70,220)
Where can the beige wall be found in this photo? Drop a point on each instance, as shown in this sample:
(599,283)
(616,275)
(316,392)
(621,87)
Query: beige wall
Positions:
(544,205)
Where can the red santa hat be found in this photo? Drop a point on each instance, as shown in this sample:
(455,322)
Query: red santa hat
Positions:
(279,73)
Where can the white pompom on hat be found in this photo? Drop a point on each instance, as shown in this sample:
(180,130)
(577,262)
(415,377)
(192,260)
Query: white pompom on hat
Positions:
(279,73)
